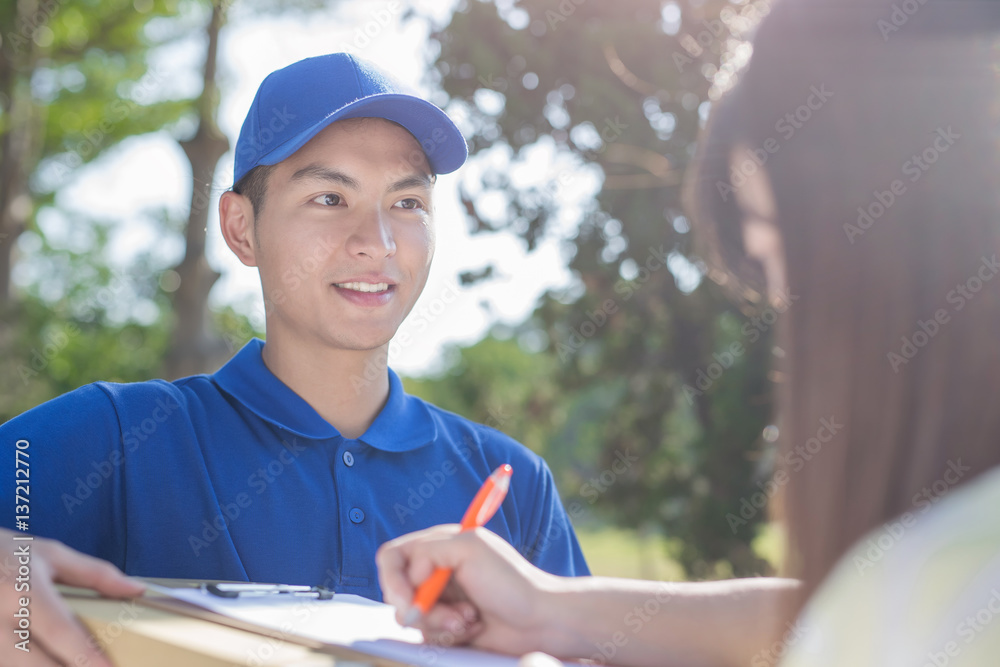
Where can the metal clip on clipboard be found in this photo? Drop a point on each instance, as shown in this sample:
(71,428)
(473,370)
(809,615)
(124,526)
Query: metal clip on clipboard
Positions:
(239,590)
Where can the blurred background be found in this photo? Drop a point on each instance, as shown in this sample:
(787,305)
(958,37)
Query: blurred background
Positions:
(566,306)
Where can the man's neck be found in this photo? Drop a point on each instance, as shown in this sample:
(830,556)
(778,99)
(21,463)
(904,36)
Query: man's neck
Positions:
(348,388)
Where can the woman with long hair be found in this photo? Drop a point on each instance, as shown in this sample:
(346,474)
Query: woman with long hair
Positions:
(856,166)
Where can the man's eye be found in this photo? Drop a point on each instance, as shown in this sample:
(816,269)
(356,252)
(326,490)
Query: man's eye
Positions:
(328,200)
(409,203)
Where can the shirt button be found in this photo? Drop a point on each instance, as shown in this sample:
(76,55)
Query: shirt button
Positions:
(348,459)
(357,516)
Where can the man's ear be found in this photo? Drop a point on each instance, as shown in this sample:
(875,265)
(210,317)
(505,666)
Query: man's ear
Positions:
(237,222)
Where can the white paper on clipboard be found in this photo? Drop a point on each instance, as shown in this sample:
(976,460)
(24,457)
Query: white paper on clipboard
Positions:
(348,621)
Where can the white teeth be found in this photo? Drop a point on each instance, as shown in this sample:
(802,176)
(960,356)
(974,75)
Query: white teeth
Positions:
(364,287)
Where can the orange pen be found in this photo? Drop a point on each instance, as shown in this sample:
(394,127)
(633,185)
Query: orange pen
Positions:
(483,507)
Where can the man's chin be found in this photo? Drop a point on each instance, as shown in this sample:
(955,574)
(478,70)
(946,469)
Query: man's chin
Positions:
(361,341)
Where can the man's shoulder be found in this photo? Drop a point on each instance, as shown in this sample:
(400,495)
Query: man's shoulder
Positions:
(128,393)
(486,437)
(106,399)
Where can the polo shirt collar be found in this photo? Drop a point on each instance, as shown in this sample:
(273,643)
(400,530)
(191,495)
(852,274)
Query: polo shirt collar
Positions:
(403,424)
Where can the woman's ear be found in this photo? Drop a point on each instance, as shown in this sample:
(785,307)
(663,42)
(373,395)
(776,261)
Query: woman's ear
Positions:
(236,218)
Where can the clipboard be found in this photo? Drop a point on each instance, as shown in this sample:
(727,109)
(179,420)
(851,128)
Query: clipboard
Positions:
(347,626)
(155,598)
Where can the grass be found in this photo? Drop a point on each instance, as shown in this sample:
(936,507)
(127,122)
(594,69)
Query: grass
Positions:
(621,552)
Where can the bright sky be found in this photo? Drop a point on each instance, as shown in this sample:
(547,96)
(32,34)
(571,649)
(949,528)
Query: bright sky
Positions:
(149,173)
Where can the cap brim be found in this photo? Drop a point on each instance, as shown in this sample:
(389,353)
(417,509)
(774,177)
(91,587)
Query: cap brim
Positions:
(440,139)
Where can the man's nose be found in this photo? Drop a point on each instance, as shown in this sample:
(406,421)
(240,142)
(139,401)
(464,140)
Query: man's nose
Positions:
(372,236)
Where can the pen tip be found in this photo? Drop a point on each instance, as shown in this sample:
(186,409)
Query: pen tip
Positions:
(411,617)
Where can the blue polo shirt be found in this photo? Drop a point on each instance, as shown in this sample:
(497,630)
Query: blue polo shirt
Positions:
(234,476)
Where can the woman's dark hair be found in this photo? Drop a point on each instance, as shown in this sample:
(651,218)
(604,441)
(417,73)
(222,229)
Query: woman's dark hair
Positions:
(882,150)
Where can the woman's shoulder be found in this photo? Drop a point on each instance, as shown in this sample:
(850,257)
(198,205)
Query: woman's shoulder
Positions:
(922,589)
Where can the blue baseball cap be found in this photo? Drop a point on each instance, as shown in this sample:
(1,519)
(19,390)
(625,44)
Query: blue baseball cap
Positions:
(295,103)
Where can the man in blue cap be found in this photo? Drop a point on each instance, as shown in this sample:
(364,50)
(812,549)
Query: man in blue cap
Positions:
(289,464)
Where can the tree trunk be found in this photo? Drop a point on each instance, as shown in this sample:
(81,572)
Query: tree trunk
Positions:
(195,347)
(17,144)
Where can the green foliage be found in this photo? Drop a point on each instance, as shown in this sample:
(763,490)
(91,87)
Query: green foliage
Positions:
(497,383)
(234,327)
(626,346)
(46,350)
(49,347)
(618,552)
(76,79)
(82,69)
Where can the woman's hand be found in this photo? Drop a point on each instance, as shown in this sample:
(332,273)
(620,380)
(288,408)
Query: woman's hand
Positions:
(56,637)
(496,599)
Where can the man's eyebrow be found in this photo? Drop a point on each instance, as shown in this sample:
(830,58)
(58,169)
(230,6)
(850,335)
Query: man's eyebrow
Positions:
(318,172)
(415,181)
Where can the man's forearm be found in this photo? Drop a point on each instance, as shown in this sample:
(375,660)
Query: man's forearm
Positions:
(631,622)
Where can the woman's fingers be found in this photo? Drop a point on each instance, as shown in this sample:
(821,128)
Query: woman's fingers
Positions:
(76,569)
(37,618)
(404,563)
(58,630)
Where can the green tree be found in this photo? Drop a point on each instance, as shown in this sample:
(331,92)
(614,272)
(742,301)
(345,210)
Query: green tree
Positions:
(76,79)
(624,87)
(497,383)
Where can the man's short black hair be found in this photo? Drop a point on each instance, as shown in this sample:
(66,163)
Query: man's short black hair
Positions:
(253,186)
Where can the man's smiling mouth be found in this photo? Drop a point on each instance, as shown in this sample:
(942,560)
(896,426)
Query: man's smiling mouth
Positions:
(364,287)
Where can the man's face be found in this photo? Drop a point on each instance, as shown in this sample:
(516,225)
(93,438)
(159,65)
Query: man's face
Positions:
(345,238)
